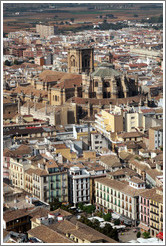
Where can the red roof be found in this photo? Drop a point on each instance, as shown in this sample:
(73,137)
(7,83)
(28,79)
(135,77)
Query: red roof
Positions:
(138,65)
(148,110)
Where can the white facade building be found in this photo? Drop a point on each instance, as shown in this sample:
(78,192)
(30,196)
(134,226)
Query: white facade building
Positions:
(79,185)
(98,142)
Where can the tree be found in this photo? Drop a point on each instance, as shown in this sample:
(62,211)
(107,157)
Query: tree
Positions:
(72,20)
(7,63)
(96,224)
(89,209)
(80,205)
(99,213)
(107,217)
(138,234)
(146,234)
(55,204)
(106,229)
(114,234)
(117,222)
(16,62)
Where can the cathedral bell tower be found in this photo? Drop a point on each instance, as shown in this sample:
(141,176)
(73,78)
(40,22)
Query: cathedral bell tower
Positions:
(81,60)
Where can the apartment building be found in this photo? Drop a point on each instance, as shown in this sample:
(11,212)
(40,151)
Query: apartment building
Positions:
(121,197)
(109,121)
(98,142)
(6,162)
(133,120)
(45,31)
(144,208)
(156,213)
(79,185)
(47,182)
(17,168)
(155,137)
(39,61)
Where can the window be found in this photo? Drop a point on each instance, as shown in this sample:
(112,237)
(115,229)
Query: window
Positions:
(96,84)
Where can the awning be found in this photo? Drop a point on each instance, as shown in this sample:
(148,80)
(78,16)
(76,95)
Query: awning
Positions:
(160,235)
(125,220)
(143,226)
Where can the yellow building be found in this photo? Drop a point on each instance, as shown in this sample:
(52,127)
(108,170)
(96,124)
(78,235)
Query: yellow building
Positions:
(156,213)
(89,154)
(66,153)
(17,170)
(109,121)
(133,121)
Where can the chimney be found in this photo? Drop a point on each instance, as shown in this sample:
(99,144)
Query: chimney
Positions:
(89,136)
(110,106)
(77,226)
(139,105)
(28,106)
(146,101)
(89,109)
(19,106)
(76,91)
(35,106)
(46,108)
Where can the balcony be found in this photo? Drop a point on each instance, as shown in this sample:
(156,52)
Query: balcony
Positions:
(57,188)
(151,204)
(154,220)
(154,228)
(154,213)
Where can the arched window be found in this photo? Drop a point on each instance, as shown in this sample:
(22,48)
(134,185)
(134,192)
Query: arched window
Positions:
(72,61)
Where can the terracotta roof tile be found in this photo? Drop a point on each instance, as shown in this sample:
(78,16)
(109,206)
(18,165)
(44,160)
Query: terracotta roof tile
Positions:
(47,235)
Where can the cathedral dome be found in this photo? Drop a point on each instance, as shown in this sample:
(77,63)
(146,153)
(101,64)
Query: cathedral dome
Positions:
(105,70)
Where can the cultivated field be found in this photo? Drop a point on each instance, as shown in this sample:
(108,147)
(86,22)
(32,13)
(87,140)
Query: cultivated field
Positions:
(28,20)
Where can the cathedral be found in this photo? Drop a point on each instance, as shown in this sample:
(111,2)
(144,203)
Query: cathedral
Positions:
(103,81)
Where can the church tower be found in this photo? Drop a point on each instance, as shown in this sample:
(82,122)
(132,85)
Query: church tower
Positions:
(80,60)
